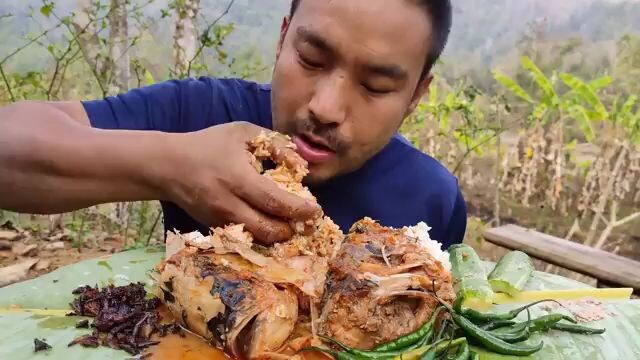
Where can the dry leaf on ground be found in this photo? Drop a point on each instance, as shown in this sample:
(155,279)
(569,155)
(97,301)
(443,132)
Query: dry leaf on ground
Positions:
(21,249)
(16,272)
(64,235)
(54,246)
(42,265)
(8,234)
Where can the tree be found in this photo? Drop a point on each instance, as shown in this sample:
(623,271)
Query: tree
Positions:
(186,35)
(119,46)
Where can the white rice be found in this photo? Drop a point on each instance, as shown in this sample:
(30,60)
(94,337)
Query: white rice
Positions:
(420,231)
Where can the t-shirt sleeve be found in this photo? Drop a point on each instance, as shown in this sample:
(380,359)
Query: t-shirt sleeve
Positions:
(457,226)
(176,106)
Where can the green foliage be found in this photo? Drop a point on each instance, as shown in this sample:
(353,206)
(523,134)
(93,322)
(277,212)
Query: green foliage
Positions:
(601,83)
(456,115)
(584,92)
(47,7)
(580,102)
(584,121)
(512,86)
(627,118)
(545,84)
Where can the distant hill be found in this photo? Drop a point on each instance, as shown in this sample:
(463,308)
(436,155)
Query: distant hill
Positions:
(483,30)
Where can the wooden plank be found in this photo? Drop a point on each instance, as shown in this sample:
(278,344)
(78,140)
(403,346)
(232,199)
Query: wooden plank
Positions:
(577,257)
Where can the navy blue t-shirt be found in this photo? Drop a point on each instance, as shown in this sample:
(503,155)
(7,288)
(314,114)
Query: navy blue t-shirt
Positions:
(400,186)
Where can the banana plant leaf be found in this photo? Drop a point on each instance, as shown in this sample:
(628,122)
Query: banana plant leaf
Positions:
(37,308)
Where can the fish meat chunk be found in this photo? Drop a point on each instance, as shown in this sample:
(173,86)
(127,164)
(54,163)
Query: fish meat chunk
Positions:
(378,286)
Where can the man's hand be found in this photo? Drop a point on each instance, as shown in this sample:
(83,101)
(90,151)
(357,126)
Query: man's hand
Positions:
(212,178)
(52,161)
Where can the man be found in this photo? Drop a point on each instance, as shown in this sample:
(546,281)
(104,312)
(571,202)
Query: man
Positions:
(346,75)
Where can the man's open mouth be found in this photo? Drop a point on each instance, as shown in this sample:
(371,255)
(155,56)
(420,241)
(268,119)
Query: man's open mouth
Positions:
(312,149)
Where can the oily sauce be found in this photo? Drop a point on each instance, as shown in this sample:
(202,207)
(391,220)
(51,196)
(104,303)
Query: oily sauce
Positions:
(186,347)
(191,347)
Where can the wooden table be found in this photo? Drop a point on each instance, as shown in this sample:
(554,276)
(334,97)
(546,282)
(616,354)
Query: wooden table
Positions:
(609,269)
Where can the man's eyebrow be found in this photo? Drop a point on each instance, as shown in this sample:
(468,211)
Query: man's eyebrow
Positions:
(314,39)
(391,71)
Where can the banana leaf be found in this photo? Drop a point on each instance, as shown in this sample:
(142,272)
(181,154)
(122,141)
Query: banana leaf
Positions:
(37,308)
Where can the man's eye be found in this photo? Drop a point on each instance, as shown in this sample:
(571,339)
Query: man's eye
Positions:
(309,63)
(374,90)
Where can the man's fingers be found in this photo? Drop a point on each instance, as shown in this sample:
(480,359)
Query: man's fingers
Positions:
(265,229)
(264,194)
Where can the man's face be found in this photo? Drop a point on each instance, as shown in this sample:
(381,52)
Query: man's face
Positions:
(347,74)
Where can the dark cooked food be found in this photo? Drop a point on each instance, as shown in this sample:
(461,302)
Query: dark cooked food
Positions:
(125,318)
(40,345)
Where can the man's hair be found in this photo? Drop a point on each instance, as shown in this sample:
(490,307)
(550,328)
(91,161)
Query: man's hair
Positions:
(440,12)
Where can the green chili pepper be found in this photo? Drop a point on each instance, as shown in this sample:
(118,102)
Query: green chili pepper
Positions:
(457,305)
(493,343)
(463,352)
(521,331)
(513,337)
(577,329)
(497,324)
(487,339)
(445,323)
(545,322)
(366,354)
(473,355)
(518,335)
(338,355)
(441,346)
(482,318)
(412,338)
(430,355)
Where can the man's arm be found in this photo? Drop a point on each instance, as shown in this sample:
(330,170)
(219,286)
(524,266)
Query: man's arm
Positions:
(52,160)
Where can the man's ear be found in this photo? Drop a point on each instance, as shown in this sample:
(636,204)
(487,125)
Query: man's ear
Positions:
(286,21)
(421,90)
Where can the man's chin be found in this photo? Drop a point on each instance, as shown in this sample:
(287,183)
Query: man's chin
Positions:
(318,174)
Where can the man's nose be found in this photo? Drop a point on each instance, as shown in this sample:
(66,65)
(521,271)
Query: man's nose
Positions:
(329,102)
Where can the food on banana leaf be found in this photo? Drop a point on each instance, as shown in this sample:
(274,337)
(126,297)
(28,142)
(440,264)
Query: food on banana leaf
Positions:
(254,301)
(378,286)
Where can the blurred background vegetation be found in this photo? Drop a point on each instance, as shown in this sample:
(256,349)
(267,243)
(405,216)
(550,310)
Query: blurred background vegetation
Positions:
(534,106)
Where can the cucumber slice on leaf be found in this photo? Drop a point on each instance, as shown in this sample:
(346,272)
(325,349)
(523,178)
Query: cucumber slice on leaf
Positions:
(511,273)
(469,275)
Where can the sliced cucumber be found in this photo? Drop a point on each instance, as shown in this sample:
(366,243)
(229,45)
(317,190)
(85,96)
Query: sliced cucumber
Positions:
(469,276)
(511,273)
